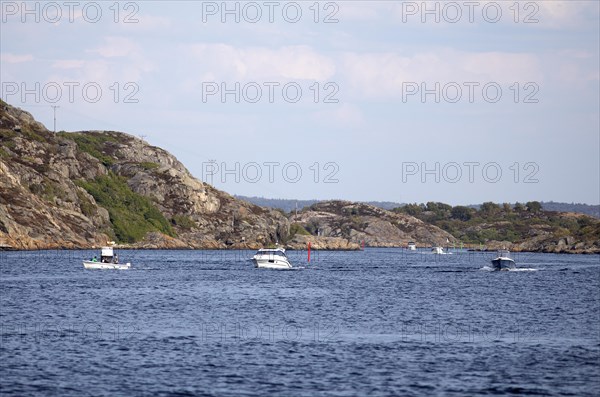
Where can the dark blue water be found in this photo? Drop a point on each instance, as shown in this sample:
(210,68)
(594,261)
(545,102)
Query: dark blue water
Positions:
(378,323)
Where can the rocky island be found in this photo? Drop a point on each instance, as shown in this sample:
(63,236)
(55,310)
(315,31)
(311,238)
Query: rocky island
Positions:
(81,189)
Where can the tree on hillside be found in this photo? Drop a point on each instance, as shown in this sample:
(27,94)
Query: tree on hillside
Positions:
(489,209)
(412,209)
(462,213)
(534,206)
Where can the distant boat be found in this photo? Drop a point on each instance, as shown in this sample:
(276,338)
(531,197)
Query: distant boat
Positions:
(438,251)
(271,259)
(412,246)
(108,260)
(503,261)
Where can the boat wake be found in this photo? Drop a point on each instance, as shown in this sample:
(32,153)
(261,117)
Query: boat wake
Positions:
(519,269)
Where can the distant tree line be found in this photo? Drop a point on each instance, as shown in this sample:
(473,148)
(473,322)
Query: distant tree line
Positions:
(500,222)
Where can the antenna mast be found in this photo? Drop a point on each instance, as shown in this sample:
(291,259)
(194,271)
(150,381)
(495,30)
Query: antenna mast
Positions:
(54,107)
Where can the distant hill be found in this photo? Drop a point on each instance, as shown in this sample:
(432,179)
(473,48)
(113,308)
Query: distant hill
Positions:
(288,205)
(591,210)
(586,209)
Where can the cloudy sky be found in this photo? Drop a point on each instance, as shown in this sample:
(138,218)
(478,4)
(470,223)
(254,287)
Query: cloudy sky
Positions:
(460,102)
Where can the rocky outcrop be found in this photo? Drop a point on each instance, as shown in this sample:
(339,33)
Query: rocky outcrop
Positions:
(300,242)
(43,206)
(376,227)
(543,238)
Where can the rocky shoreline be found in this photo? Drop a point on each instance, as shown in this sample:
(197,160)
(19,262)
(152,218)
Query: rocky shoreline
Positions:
(315,246)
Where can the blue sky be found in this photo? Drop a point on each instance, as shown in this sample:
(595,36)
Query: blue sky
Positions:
(370,133)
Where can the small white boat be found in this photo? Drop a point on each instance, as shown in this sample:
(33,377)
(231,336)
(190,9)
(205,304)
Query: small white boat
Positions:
(271,259)
(438,251)
(108,260)
(503,261)
(412,246)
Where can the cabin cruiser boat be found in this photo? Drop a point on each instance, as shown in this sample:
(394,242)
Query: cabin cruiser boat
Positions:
(271,259)
(108,260)
(503,261)
(438,251)
(412,246)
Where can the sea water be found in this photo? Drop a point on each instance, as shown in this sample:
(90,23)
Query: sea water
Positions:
(376,322)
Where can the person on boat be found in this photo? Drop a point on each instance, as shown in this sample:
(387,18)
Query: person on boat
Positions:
(94,259)
(116,259)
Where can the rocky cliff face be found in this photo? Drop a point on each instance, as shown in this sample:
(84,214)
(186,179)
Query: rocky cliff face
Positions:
(46,203)
(358,222)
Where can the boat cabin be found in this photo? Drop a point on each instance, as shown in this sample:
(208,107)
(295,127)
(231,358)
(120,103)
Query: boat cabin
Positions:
(107,255)
(503,254)
(271,251)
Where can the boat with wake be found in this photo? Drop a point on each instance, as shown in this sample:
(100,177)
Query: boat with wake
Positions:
(439,251)
(271,258)
(503,261)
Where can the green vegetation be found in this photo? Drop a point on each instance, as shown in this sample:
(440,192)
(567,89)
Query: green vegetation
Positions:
(147,165)
(183,221)
(92,144)
(7,134)
(131,214)
(297,228)
(499,222)
(48,190)
(85,204)
(25,131)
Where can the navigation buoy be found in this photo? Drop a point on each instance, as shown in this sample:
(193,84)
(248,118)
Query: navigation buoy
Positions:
(309,252)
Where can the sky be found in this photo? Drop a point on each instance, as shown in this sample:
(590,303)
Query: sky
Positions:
(458,102)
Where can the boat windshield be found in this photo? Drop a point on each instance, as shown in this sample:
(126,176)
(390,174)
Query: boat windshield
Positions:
(271,252)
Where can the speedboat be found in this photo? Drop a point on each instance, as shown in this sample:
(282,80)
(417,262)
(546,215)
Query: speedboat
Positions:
(412,246)
(267,258)
(503,261)
(108,260)
(438,251)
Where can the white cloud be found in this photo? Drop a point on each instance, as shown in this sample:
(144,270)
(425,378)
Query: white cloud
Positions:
(148,22)
(560,13)
(249,63)
(68,64)
(116,47)
(381,75)
(13,58)
(122,59)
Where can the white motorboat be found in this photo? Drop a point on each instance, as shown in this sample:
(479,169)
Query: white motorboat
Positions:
(108,260)
(503,261)
(438,251)
(412,246)
(275,258)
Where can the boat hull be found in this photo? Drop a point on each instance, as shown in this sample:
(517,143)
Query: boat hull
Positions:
(271,264)
(503,264)
(90,265)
